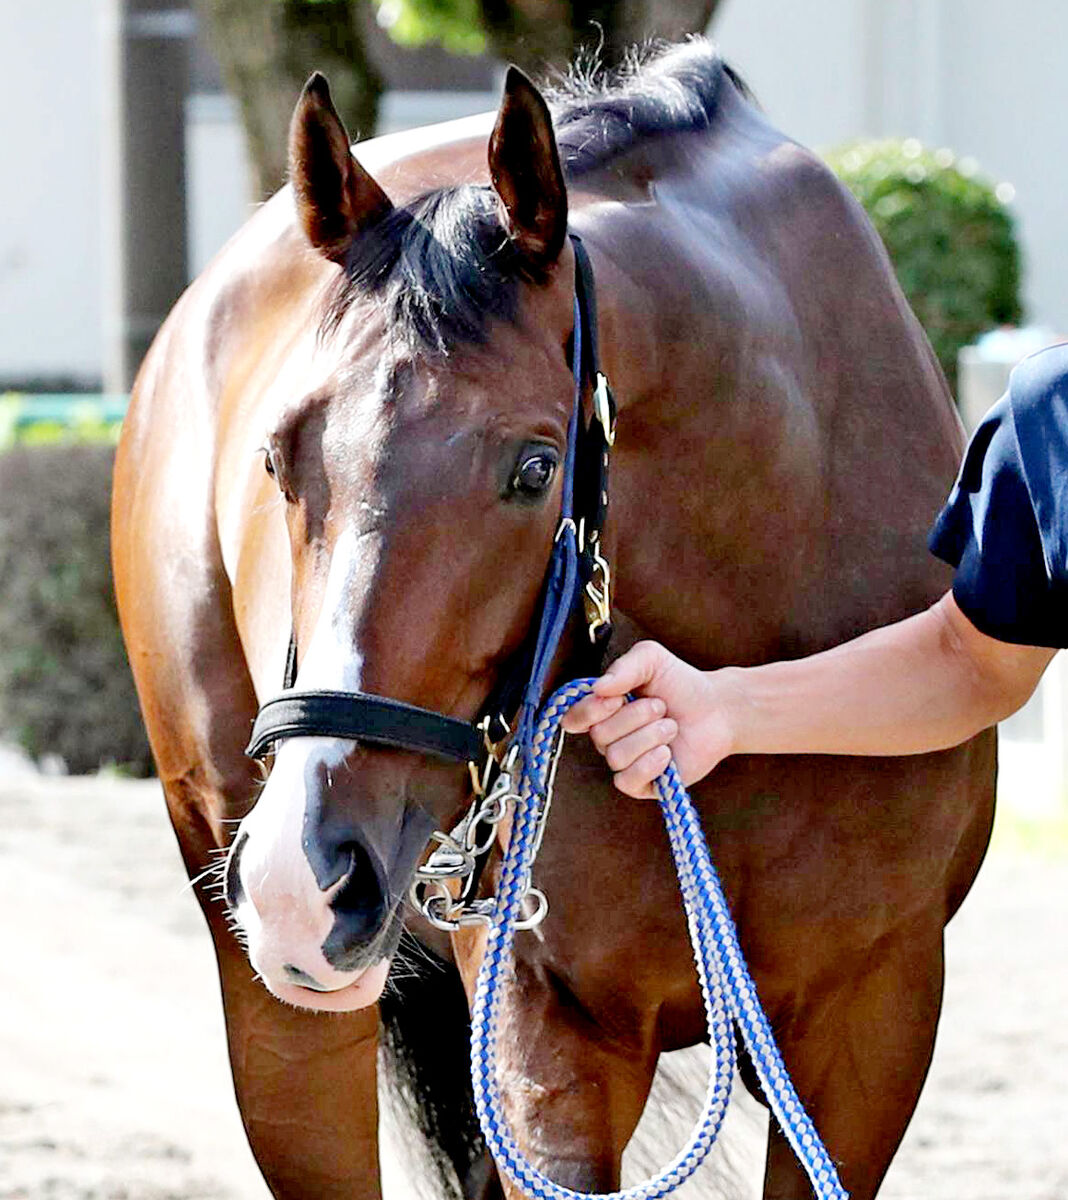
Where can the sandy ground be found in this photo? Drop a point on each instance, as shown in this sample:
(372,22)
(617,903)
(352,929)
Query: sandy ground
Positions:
(113,1076)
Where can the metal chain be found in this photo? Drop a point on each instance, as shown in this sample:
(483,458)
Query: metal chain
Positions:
(458,851)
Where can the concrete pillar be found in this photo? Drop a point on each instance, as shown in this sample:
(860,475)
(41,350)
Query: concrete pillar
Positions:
(145,169)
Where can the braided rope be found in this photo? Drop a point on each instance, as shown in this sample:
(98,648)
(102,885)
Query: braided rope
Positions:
(726,986)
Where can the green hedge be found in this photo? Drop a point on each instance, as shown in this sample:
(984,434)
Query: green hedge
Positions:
(949,234)
(65,687)
(27,420)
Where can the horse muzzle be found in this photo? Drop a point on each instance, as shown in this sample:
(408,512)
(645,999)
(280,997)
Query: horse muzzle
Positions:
(314,893)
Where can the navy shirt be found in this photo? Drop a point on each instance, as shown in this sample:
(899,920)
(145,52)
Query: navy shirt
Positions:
(1005,525)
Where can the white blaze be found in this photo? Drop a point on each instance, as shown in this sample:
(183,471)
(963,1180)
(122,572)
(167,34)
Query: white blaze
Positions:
(283,911)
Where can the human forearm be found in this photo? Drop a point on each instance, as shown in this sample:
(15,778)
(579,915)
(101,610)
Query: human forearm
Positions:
(927,682)
(922,684)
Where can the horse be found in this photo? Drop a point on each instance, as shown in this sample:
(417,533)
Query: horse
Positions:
(343,454)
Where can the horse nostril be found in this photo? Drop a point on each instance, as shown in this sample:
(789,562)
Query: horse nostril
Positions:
(361,896)
(361,909)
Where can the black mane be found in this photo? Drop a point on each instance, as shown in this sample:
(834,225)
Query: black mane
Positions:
(598,116)
(443,263)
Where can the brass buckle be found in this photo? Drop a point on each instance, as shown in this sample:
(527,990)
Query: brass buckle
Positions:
(477,777)
(603,409)
(497,751)
(498,757)
(597,599)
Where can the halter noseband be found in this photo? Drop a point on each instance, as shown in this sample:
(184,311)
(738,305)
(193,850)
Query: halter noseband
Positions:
(576,568)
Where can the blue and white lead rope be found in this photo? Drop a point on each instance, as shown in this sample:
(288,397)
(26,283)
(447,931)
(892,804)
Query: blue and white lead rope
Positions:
(726,986)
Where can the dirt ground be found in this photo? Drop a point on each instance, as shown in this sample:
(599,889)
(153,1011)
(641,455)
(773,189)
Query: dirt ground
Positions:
(113,1077)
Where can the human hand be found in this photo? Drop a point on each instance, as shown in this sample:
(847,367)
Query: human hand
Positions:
(677,712)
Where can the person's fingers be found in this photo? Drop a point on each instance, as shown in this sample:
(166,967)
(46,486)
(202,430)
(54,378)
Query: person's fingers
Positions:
(632,670)
(623,753)
(626,720)
(637,779)
(589,710)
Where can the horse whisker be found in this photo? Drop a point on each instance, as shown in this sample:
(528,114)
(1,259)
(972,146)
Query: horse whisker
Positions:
(216,868)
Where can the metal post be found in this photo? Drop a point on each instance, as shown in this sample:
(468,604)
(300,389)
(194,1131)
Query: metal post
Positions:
(146,185)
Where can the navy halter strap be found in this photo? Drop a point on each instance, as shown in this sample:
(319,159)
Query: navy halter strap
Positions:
(576,570)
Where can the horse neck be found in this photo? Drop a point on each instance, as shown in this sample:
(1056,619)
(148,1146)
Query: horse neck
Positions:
(716,470)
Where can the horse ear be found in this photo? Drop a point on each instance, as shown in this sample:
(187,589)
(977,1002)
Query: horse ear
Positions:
(525,169)
(336,197)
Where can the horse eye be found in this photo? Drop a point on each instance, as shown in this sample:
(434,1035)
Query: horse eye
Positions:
(535,472)
(268,463)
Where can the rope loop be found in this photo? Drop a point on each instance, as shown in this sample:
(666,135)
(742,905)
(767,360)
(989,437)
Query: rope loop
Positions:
(729,994)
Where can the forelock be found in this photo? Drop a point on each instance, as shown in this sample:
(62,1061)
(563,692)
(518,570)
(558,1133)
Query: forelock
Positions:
(442,265)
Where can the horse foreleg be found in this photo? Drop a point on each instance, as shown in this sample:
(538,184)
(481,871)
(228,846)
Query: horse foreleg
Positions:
(305,1082)
(858,1059)
(573,1091)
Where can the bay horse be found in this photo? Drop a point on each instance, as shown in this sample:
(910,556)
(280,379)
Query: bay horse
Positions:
(347,438)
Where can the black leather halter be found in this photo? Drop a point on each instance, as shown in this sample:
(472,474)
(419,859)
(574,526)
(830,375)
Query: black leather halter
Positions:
(361,716)
(382,721)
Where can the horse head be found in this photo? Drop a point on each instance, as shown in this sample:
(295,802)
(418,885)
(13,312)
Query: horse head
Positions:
(420,474)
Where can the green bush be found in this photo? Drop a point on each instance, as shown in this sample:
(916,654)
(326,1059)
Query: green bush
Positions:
(65,687)
(949,235)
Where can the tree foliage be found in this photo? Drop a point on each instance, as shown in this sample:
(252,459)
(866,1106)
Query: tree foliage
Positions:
(544,35)
(454,24)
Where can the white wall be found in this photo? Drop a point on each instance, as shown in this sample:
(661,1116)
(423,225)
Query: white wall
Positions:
(804,61)
(1005,100)
(50,198)
(217,176)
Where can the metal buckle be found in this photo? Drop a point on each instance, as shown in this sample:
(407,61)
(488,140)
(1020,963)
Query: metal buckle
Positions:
(602,407)
(444,912)
(450,861)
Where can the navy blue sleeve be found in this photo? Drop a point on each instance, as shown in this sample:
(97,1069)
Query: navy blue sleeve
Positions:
(1005,525)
